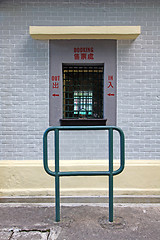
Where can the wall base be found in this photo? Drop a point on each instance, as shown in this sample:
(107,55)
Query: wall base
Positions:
(28,178)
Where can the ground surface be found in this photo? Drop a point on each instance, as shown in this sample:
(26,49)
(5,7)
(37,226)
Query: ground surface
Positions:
(36,221)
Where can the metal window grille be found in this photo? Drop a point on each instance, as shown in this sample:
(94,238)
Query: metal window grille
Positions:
(83,91)
(83,102)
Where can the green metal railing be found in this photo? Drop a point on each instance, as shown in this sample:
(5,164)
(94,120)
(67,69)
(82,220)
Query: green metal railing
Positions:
(57,174)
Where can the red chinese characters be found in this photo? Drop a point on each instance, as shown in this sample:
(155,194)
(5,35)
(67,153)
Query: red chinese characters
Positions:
(110,85)
(55,84)
(76,56)
(110,77)
(90,56)
(83,56)
(84,53)
(55,81)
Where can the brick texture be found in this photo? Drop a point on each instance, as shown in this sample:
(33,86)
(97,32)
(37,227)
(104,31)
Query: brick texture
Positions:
(24,97)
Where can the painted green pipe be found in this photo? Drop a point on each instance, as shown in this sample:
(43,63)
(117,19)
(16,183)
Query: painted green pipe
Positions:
(109,173)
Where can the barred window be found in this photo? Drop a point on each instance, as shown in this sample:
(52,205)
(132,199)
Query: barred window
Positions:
(83,91)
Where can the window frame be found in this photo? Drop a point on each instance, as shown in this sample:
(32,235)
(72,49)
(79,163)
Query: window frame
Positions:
(90,68)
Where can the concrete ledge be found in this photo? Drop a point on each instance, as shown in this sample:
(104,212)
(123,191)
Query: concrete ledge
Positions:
(84,32)
(82,199)
(28,178)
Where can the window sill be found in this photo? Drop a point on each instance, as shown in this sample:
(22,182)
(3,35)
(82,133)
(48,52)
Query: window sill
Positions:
(83,122)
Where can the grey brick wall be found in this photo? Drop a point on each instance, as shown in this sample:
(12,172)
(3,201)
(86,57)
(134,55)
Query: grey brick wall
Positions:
(25,86)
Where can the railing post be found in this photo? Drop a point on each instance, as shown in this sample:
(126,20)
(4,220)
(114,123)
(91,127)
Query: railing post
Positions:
(111,175)
(57,191)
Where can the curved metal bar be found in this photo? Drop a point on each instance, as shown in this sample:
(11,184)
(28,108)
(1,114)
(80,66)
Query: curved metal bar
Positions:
(122,151)
(45,152)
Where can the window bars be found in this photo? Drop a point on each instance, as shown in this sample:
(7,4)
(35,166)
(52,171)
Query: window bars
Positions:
(83,91)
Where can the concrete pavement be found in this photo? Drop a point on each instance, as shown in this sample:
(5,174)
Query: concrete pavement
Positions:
(79,222)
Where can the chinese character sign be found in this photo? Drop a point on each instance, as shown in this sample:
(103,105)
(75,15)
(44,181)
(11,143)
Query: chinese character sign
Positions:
(55,81)
(110,85)
(84,53)
(55,84)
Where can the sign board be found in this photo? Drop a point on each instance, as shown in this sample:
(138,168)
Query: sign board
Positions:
(82,52)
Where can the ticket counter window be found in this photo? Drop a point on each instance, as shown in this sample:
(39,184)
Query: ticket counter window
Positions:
(83,92)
